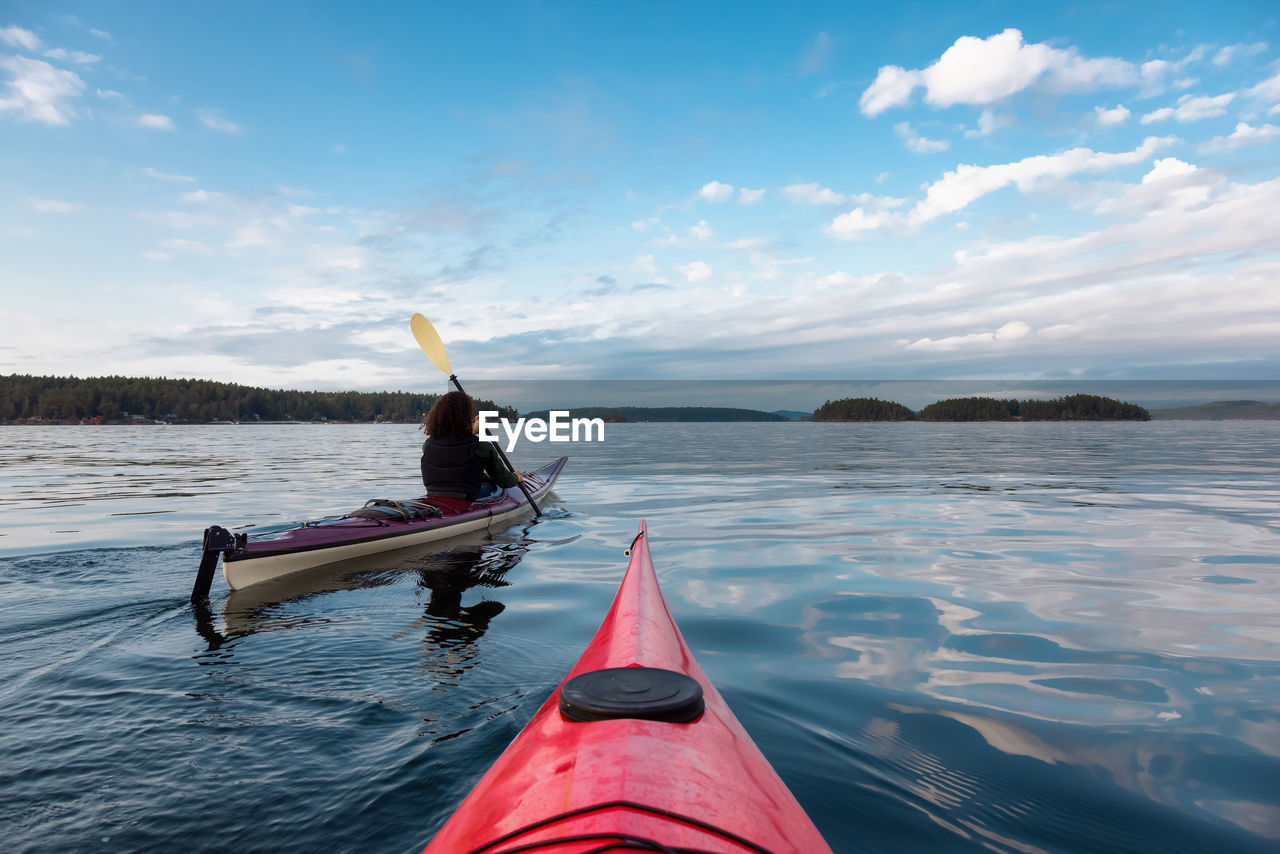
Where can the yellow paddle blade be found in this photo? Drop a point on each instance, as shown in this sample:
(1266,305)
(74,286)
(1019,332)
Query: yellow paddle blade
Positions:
(429,341)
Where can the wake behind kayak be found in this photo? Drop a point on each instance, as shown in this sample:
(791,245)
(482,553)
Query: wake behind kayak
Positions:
(634,751)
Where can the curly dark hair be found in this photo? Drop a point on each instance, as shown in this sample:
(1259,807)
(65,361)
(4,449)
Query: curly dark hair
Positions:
(450,416)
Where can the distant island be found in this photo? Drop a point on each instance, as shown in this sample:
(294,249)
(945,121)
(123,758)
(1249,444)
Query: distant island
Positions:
(1076,407)
(862,409)
(26,399)
(1221,410)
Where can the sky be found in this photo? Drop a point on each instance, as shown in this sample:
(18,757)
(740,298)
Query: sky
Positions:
(263,193)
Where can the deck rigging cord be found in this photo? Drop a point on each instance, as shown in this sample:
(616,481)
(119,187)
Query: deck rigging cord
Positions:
(630,841)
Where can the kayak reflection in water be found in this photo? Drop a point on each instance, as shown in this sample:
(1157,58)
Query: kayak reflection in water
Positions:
(449,645)
(450,625)
(455,463)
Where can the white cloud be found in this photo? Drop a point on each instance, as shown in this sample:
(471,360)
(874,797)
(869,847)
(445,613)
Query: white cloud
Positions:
(18,37)
(1230,52)
(77,56)
(102,34)
(201,197)
(273,222)
(1168,167)
(1171,286)
(967,183)
(645,264)
(1132,279)
(857,223)
(980,71)
(1244,134)
(53,206)
(769,266)
(1171,185)
(309,296)
(838,279)
(701,231)
(1014,330)
(988,123)
(257,234)
(892,88)
(716,192)
(1268,90)
(1153,74)
(813,194)
(964,185)
(695,271)
(110,95)
(1112,116)
(38,91)
(1192,109)
(155,121)
(749,197)
(166,176)
(917,143)
(214,120)
(642,224)
(1060,331)
(983,71)
(817,55)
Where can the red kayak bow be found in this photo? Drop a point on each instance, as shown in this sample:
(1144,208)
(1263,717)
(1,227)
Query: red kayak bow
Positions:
(634,751)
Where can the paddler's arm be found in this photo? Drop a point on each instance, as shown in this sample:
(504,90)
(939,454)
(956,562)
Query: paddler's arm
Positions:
(493,466)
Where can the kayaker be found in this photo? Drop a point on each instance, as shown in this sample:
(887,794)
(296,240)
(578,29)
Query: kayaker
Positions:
(455,463)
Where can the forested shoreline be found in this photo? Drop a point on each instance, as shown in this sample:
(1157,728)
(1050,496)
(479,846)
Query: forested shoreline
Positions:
(26,399)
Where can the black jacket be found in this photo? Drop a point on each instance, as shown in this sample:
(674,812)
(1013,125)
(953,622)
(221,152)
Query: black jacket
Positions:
(451,465)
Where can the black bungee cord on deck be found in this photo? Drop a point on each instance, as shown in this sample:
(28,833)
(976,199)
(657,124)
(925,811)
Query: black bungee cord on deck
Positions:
(632,843)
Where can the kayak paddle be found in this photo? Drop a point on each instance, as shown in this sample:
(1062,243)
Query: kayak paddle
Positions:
(429,340)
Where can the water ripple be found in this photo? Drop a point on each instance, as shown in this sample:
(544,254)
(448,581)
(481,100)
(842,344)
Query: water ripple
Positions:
(945,637)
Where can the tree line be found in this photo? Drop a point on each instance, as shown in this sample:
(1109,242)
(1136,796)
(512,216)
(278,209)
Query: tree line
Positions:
(1075,407)
(114,400)
(862,409)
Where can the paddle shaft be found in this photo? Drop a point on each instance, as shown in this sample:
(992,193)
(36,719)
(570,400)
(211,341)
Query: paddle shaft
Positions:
(520,483)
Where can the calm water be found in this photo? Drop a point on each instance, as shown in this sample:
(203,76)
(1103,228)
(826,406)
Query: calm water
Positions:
(1008,637)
